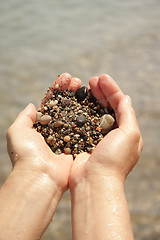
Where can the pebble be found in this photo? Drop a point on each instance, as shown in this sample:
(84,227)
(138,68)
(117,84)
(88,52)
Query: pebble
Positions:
(67,138)
(76,136)
(58,124)
(45,108)
(74,127)
(90,141)
(58,151)
(81,93)
(45,119)
(39,115)
(52,103)
(106,122)
(65,101)
(67,150)
(81,120)
(57,86)
(50,138)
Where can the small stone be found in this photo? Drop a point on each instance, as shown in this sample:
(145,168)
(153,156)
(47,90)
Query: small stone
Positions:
(45,119)
(57,86)
(106,122)
(65,101)
(39,115)
(45,108)
(81,93)
(67,150)
(52,103)
(81,120)
(89,149)
(90,140)
(76,136)
(58,124)
(67,138)
(87,128)
(58,151)
(50,138)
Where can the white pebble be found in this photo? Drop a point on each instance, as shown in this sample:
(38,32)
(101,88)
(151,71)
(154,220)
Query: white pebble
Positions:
(52,103)
(106,122)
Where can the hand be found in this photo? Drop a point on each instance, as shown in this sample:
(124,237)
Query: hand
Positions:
(28,150)
(119,150)
(31,193)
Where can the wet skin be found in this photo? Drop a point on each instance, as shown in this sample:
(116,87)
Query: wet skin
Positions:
(96,181)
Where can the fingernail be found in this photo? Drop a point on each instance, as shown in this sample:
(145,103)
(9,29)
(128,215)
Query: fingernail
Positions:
(128,100)
(109,77)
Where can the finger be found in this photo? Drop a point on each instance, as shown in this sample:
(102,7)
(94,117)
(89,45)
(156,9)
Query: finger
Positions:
(81,158)
(79,162)
(27,117)
(75,84)
(126,117)
(97,92)
(110,90)
(62,82)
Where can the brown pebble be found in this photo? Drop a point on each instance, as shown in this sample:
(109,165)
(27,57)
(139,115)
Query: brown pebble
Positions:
(50,138)
(87,128)
(58,124)
(90,141)
(58,151)
(45,119)
(39,115)
(67,150)
(67,138)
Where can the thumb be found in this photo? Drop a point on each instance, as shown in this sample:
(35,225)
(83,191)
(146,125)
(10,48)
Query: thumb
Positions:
(27,117)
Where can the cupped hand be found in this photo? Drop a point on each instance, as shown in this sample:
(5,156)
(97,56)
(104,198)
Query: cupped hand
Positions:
(118,152)
(27,148)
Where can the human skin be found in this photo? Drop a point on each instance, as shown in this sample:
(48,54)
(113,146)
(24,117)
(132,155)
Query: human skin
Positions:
(31,193)
(99,206)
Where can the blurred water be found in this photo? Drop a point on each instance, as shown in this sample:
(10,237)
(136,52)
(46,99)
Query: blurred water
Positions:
(40,39)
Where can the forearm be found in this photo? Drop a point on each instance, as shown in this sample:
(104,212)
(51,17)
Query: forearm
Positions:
(27,204)
(100,211)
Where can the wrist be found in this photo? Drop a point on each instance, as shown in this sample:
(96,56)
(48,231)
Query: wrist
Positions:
(41,180)
(95,191)
(99,209)
(92,178)
(46,172)
(28,201)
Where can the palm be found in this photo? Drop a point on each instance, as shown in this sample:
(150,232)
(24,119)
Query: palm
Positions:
(119,150)
(96,163)
(30,145)
(30,152)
